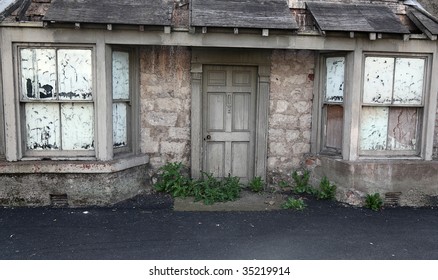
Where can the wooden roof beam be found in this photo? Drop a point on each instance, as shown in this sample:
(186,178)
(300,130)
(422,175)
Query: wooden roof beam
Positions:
(421,26)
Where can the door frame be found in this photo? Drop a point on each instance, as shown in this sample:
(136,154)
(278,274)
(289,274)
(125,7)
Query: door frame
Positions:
(238,57)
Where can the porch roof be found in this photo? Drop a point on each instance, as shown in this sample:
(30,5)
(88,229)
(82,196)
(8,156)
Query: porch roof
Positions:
(270,14)
(424,22)
(131,12)
(356,18)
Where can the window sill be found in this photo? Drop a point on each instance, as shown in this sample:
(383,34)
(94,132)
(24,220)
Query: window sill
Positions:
(90,167)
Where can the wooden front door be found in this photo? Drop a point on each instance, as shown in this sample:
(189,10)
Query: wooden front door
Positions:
(229,108)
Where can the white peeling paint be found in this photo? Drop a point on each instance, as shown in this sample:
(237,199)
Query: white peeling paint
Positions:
(121,92)
(402,130)
(75,74)
(408,81)
(378,82)
(335,69)
(120,75)
(120,131)
(374,128)
(77,126)
(42,126)
(38,73)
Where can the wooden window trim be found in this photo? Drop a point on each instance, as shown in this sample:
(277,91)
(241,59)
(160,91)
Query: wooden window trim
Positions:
(52,154)
(324,104)
(421,109)
(132,146)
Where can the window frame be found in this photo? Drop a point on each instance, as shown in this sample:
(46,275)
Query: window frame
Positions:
(21,102)
(421,108)
(2,119)
(132,146)
(324,104)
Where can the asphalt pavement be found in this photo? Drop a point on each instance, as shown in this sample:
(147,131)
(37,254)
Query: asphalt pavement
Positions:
(325,230)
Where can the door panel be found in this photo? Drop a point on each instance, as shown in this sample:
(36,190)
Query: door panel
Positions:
(229,102)
(240,151)
(241,116)
(215,161)
(216,111)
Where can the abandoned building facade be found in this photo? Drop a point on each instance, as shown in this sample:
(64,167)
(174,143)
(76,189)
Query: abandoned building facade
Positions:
(96,98)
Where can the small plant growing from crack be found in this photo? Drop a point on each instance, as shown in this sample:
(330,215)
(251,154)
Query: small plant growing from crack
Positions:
(374,202)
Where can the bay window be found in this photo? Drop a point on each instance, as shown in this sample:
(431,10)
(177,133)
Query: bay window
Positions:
(392,105)
(57,101)
(386,109)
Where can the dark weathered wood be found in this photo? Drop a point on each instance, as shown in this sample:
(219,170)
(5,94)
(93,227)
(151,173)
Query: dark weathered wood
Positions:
(424,23)
(138,12)
(8,10)
(270,14)
(358,18)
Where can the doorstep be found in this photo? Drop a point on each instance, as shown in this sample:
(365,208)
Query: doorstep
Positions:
(248,201)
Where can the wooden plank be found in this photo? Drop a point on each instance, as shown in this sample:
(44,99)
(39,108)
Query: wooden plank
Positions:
(360,18)
(273,14)
(133,12)
(425,24)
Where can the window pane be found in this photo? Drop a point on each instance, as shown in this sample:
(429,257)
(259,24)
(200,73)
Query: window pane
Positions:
(42,126)
(374,128)
(120,75)
(402,130)
(378,80)
(75,74)
(38,73)
(335,116)
(77,126)
(408,81)
(335,79)
(120,130)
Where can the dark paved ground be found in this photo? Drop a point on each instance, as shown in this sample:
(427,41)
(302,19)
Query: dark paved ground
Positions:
(325,230)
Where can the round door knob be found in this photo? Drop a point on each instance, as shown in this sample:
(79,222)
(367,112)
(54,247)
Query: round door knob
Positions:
(208,137)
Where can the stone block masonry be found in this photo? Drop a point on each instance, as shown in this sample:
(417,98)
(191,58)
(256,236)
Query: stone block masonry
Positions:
(165,104)
(290,113)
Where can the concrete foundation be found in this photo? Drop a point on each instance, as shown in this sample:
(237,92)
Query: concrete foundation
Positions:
(412,183)
(80,189)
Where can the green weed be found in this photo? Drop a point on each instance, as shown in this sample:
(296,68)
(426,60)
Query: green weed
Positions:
(171,180)
(210,189)
(327,190)
(207,189)
(373,202)
(295,204)
(256,184)
(301,183)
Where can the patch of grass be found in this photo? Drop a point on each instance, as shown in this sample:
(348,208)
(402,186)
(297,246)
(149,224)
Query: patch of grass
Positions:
(295,204)
(256,184)
(374,202)
(327,190)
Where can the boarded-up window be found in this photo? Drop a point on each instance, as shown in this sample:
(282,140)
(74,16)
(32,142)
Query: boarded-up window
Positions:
(121,98)
(392,105)
(56,94)
(333,111)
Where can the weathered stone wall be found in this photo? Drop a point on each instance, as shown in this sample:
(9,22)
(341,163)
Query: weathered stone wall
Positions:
(290,113)
(165,104)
